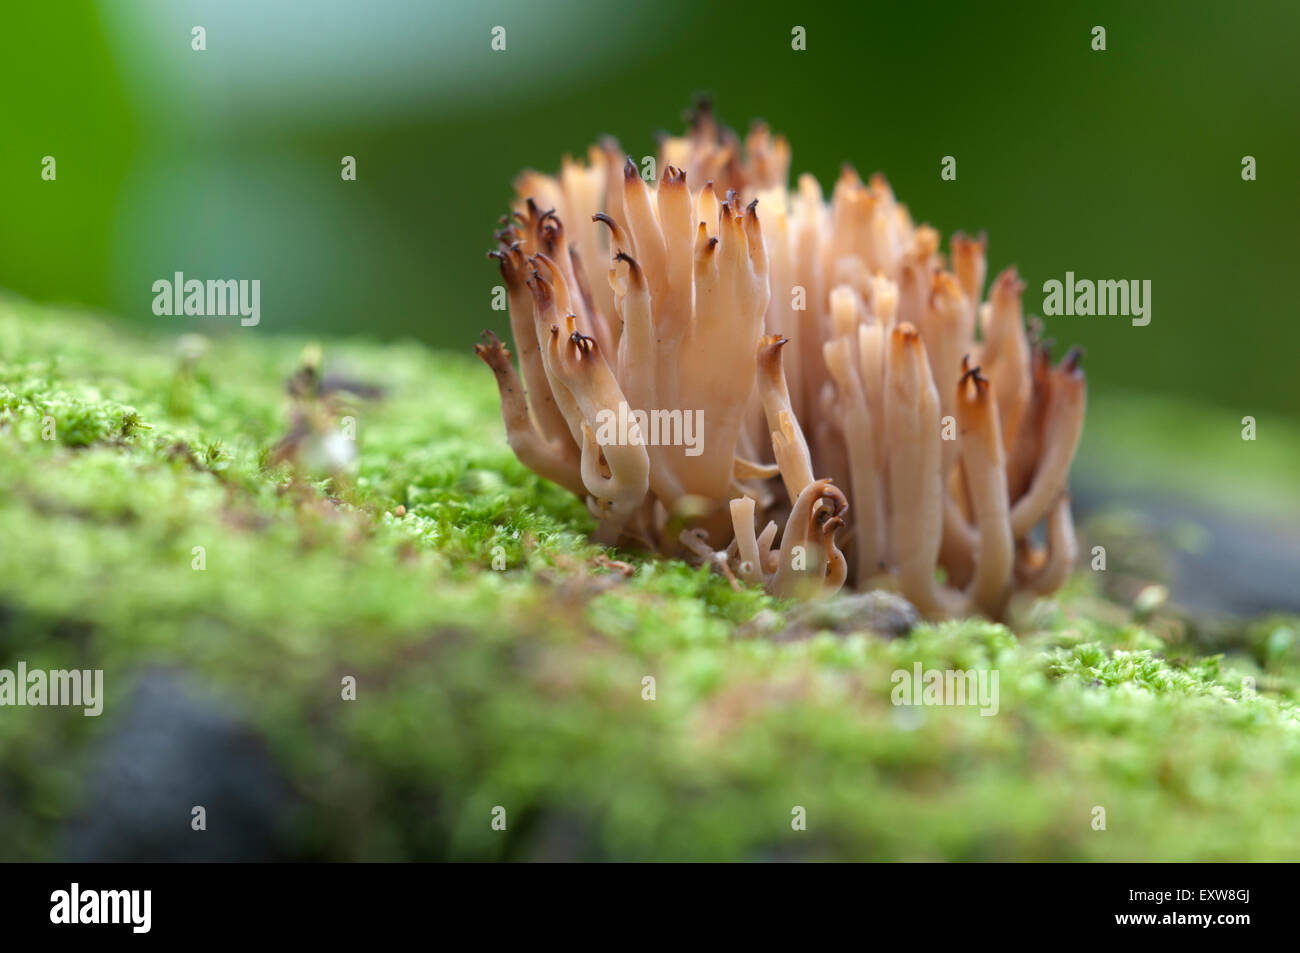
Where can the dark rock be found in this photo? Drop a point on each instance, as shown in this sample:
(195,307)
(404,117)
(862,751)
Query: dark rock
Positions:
(1213,560)
(562,837)
(171,749)
(883,613)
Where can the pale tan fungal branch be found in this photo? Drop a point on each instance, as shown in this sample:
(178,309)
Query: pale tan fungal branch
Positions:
(830,355)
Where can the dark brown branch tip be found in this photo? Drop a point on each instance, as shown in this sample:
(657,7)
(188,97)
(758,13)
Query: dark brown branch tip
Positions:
(585,342)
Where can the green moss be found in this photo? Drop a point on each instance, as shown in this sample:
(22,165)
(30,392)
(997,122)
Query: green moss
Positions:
(522,686)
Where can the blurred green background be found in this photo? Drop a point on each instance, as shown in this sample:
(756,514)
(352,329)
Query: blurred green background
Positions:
(225,163)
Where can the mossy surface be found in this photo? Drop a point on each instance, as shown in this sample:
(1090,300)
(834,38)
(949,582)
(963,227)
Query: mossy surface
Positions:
(523,687)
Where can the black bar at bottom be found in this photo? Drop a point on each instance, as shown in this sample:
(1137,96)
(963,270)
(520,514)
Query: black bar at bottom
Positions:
(327,903)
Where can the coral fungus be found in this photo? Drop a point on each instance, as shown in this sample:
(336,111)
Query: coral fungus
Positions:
(830,346)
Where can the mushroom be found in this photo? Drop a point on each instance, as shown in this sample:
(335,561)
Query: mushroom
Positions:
(853,395)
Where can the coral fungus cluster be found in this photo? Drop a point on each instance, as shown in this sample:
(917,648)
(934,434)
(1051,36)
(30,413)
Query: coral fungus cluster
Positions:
(853,395)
